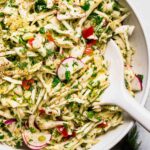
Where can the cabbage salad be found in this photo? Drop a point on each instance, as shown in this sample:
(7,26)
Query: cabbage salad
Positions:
(53,71)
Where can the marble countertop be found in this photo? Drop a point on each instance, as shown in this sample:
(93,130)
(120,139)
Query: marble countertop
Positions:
(143,11)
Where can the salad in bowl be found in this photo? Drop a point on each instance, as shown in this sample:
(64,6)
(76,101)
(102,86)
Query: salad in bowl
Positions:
(53,71)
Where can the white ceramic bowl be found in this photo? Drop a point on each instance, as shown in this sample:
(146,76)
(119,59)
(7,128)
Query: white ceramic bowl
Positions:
(141,65)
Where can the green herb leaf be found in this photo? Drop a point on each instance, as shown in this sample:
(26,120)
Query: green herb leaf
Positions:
(90,114)
(32,130)
(67,75)
(86,6)
(33,61)
(1,136)
(3,25)
(116,6)
(55,81)
(99,118)
(18,144)
(2,124)
(40,5)
(49,52)
(98,20)
(100,7)
(68,96)
(94,74)
(22,65)
(74,64)
(132,138)
(1,14)
(130,142)
(21,41)
(42,30)
(75,87)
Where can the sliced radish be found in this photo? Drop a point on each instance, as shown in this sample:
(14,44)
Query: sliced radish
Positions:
(10,121)
(36,140)
(71,65)
(137,84)
(30,146)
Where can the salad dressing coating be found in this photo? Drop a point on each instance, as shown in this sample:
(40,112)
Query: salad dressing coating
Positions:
(53,71)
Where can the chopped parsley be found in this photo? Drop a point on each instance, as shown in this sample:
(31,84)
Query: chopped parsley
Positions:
(2,124)
(33,61)
(32,130)
(68,97)
(116,6)
(1,14)
(18,144)
(12,58)
(21,41)
(94,74)
(75,87)
(100,7)
(67,75)
(49,52)
(99,118)
(86,6)
(42,30)
(90,114)
(74,64)
(55,82)
(22,65)
(40,5)
(1,136)
(3,25)
(23,50)
(96,19)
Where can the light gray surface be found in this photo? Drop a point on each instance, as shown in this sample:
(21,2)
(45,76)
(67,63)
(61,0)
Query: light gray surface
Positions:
(143,10)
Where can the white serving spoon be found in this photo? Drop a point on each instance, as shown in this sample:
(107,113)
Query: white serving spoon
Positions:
(117,93)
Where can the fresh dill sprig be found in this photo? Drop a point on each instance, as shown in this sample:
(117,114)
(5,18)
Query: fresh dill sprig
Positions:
(130,141)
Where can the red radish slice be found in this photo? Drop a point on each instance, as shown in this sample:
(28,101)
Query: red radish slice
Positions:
(30,146)
(70,64)
(10,121)
(36,140)
(137,84)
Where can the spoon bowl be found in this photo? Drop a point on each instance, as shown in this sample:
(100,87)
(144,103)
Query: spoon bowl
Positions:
(117,93)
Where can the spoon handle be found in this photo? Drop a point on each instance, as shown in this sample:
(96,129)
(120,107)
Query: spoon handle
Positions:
(139,113)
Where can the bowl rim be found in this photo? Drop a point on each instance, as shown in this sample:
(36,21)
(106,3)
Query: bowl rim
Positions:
(144,99)
(146,92)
